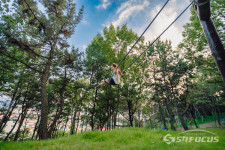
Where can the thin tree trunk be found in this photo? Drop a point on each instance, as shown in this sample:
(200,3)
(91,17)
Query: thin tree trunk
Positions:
(10,113)
(12,128)
(78,120)
(196,111)
(117,105)
(193,115)
(67,119)
(181,119)
(58,114)
(82,125)
(180,116)
(108,109)
(216,116)
(35,128)
(215,98)
(162,116)
(93,112)
(130,112)
(24,129)
(6,115)
(214,109)
(139,118)
(171,115)
(37,135)
(203,110)
(24,113)
(73,121)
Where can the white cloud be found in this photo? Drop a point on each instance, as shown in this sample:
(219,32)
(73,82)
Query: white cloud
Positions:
(104,4)
(84,47)
(127,9)
(84,21)
(167,16)
(161,23)
(137,14)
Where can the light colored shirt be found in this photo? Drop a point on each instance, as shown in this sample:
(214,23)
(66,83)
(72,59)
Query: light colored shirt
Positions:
(116,76)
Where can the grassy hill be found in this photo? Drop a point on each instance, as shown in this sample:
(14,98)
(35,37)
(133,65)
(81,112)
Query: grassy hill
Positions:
(125,138)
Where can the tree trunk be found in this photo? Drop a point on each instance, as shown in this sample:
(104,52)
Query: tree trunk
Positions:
(6,115)
(82,125)
(139,119)
(130,112)
(24,113)
(211,98)
(193,115)
(216,116)
(203,110)
(93,112)
(35,128)
(117,105)
(24,129)
(180,116)
(181,119)
(58,114)
(4,120)
(78,121)
(108,109)
(65,128)
(73,121)
(67,119)
(162,116)
(216,109)
(171,115)
(43,130)
(12,128)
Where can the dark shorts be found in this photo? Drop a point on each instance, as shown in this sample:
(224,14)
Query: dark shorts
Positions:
(111,81)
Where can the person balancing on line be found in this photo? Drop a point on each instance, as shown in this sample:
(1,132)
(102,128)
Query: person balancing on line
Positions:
(116,76)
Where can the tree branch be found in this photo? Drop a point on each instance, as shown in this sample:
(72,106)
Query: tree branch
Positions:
(27,65)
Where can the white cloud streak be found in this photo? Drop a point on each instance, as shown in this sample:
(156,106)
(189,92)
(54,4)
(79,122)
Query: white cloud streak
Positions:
(166,17)
(84,21)
(133,10)
(84,47)
(129,8)
(104,4)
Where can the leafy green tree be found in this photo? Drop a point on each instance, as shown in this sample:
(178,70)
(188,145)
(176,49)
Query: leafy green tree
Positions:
(39,35)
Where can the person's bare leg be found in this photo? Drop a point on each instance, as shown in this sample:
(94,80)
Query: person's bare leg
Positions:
(105,83)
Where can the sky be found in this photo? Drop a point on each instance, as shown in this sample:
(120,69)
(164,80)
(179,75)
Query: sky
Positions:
(136,14)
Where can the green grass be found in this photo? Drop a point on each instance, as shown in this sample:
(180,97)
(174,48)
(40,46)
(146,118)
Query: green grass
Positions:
(125,138)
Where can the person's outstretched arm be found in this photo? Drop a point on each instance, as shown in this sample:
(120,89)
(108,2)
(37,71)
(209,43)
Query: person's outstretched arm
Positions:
(122,74)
